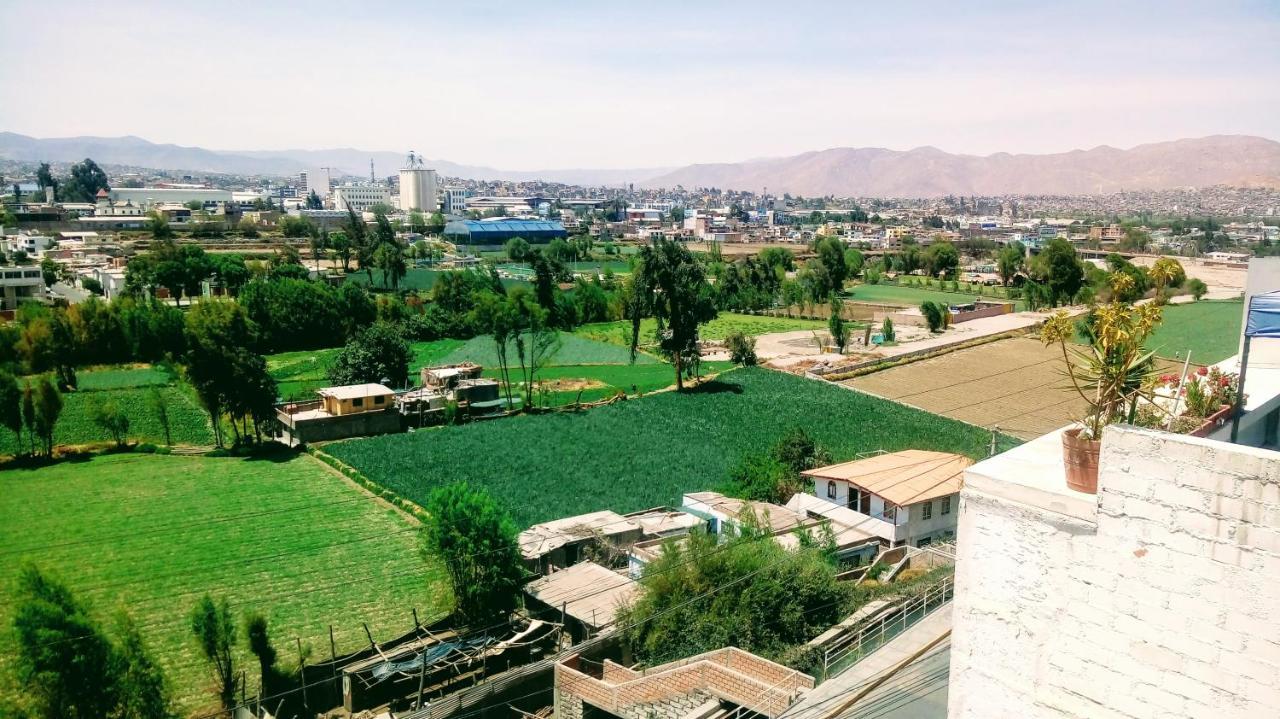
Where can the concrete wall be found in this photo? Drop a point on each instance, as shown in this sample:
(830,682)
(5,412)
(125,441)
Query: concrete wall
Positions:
(1160,597)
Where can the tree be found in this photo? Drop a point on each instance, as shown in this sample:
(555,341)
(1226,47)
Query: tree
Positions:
(159,227)
(517,249)
(113,420)
(29,414)
(259,640)
(775,475)
(476,541)
(670,285)
(341,246)
(935,314)
(886,331)
(294,227)
(65,660)
(48,408)
(45,179)
(494,315)
(1060,270)
(314,202)
(215,632)
(836,326)
(160,408)
(377,354)
(742,349)
(319,243)
(940,258)
(792,596)
(218,338)
(389,258)
(11,405)
(831,253)
(92,286)
(143,689)
(1166,272)
(1009,262)
(85,182)
(1197,287)
(248,229)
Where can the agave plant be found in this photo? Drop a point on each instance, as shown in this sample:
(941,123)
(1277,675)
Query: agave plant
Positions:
(1113,372)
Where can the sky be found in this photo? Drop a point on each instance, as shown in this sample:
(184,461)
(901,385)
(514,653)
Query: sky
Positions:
(552,85)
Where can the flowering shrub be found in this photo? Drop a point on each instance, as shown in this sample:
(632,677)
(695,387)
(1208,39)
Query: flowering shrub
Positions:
(1206,391)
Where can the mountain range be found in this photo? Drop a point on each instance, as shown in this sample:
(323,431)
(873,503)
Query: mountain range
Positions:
(1237,160)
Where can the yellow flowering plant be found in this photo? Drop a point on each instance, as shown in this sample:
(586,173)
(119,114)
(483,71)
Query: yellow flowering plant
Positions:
(1114,370)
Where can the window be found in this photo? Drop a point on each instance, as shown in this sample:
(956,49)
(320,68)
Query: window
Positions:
(890,512)
(926,511)
(864,502)
(379,400)
(831,489)
(357,402)
(852,500)
(946,505)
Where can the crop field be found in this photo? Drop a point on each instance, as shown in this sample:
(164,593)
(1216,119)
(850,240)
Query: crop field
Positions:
(417,278)
(573,350)
(1017,384)
(131,390)
(914,296)
(619,333)
(287,538)
(647,452)
(299,374)
(1210,329)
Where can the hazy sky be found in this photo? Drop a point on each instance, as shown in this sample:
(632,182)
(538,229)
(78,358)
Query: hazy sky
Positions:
(545,84)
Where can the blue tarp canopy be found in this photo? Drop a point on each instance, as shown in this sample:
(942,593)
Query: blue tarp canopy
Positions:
(1264,316)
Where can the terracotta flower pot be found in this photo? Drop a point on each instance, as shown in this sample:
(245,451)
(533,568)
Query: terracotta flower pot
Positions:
(1080,458)
(1213,421)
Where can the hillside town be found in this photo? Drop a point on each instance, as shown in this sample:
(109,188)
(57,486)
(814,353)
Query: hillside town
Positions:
(836,432)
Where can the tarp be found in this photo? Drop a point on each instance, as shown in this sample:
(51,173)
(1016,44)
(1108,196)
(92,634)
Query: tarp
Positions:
(1264,316)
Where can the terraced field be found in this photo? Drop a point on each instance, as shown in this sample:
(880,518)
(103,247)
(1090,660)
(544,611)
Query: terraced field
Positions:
(150,534)
(131,389)
(647,452)
(1015,384)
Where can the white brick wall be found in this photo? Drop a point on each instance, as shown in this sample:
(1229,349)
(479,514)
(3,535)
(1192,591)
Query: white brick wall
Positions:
(1165,603)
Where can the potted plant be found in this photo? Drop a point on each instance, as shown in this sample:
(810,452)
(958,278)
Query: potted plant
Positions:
(1112,372)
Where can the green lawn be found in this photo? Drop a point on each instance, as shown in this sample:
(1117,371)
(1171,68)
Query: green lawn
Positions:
(915,296)
(619,333)
(1210,329)
(131,389)
(150,534)
(647,452)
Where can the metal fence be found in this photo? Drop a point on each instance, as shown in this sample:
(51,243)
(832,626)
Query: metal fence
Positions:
(852,647)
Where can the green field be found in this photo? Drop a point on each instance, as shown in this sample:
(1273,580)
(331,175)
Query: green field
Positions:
(417,278)
(646,452)
(150,534)
(130,389)
(619,333)
(1210,329)
(915,296)
(299,374)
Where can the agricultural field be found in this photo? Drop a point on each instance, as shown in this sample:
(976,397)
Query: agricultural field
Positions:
(619,333)
(417,278)
(299,374)
(1017,384)
(1209,328)
(131,388)
(647,452)
(914,296)
(289,538)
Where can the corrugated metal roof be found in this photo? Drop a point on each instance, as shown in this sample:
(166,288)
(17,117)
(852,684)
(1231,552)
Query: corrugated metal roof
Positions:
(480,227)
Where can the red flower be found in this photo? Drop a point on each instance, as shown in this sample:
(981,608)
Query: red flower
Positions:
(1226,382)
(1202,371)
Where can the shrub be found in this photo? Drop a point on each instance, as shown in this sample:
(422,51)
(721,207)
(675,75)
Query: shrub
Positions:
(742,349)
(1197,287)
(886,329)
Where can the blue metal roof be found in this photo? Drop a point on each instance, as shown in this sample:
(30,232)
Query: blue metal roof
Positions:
(504,226)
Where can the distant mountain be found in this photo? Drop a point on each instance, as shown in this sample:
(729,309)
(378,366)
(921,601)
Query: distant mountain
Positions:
(138,152)
(1237,160)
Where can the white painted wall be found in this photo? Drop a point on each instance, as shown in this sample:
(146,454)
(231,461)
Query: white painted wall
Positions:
(1158,598)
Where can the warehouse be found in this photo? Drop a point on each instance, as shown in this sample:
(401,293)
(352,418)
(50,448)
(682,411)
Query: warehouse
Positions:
(493,234)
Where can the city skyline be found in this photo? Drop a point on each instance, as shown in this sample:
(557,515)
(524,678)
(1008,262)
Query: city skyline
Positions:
(661,85)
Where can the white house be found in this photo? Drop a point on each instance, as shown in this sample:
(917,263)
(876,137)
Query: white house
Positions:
(909,497)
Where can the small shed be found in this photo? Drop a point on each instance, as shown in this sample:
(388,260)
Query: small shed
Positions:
(355,398)
(560,543)
(587,596)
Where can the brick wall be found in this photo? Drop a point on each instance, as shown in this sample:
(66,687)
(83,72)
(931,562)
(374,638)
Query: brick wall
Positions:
(1163,603)
(730,673)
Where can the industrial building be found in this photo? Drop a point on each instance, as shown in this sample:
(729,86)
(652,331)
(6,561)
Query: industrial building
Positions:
(480,234)
(147,197)
(418,189)
(360,197)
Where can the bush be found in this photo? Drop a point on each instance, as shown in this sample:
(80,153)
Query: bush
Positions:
(886,329)
(742,349)
(1197,287)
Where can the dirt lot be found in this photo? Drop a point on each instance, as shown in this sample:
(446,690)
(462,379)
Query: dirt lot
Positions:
(1014,383)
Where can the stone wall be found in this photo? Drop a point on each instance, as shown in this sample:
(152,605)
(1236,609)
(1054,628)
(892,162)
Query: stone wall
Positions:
(1159,598)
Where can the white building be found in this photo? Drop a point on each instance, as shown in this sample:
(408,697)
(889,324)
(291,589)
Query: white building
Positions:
(360,197)
(33,245)
(147,197)
(19,284)
(418,190)
(317,181)
(454,200)
(909,497)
